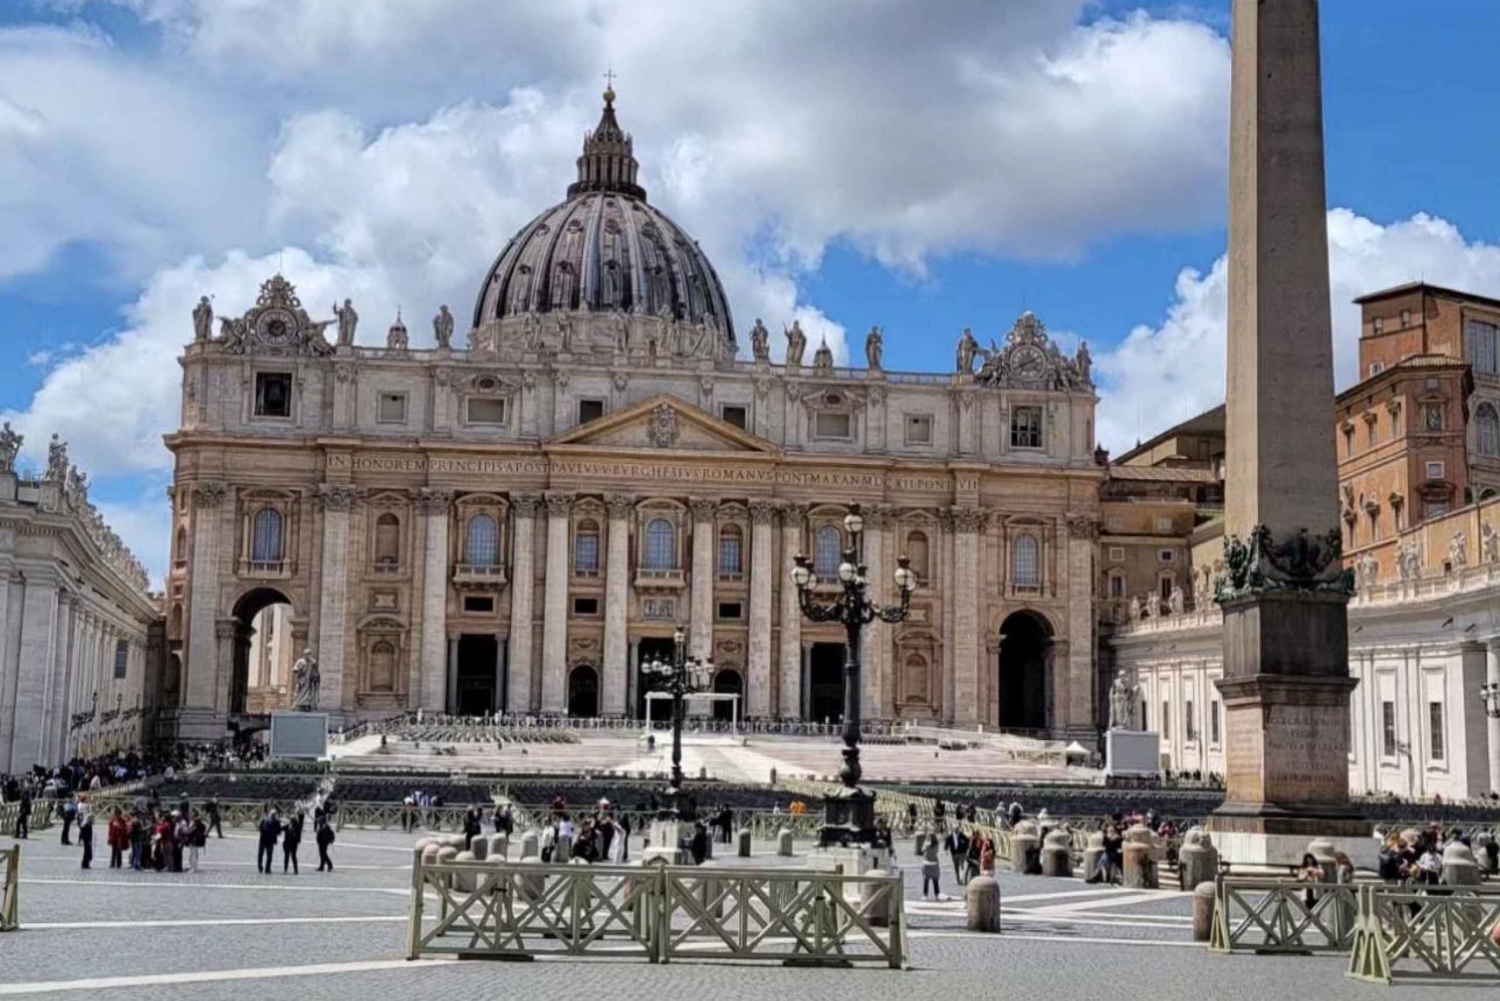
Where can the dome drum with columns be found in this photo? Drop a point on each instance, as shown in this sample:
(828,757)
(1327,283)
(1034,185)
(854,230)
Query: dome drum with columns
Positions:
(517,522)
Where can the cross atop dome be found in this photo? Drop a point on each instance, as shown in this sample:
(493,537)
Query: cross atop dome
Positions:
(608,162)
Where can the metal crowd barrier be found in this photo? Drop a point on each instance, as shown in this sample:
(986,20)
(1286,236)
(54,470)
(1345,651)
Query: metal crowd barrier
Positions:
(1445,933)
(488,910)
(1282,916)
(10,888)
(41,816)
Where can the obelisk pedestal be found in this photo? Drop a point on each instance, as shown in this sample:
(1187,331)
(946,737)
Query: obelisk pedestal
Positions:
(1286,677)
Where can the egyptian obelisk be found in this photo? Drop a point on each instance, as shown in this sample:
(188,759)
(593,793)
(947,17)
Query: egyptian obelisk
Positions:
(1286,677)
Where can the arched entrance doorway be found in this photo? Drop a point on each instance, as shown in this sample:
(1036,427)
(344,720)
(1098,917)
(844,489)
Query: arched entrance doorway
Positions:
(727,682)
(1025,676)
(263,653)
(825,683)
(583,691)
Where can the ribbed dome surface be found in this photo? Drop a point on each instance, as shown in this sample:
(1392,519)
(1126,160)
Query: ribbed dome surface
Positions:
(604,249)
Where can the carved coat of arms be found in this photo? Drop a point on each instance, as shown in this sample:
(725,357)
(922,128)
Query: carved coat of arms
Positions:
(662,430)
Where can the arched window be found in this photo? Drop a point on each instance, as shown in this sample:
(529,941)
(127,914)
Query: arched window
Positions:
(181,555)
(1487,425)
(482,544)
(382,667)
(387,540)
(586,549)
(1026,563)
(828,552)
(731,551)
(661,545)
(916,551)
(915,673)
(265,537)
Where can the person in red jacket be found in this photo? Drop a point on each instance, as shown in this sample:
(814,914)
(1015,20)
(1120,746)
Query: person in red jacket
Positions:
(118,838)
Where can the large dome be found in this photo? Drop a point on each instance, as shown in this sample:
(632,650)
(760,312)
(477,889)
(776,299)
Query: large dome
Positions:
(604,250)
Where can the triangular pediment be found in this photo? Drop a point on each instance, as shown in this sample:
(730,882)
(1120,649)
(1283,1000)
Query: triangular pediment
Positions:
(663,422)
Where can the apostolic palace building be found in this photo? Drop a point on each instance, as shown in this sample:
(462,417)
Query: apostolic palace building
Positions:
(518,518)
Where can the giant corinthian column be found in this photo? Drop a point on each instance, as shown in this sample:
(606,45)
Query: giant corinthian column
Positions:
(1286,678)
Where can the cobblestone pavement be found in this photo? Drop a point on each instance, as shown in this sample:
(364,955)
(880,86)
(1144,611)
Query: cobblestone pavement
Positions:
(229,931)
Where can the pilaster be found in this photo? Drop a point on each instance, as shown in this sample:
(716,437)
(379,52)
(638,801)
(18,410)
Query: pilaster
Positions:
(790,704)
(38,651)
(522,596)
(701,632)
(434,506)
(201,666)
(555,606)
(615,673)
(762,570)
(338,502)
(965,597)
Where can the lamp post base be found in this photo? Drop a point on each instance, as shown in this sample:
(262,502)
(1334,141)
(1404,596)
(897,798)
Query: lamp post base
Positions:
(849,820)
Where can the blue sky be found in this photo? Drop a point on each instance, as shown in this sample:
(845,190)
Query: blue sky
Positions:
(924,167)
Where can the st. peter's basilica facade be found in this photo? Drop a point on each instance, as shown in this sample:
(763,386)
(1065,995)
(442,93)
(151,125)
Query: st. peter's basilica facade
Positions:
(517,521)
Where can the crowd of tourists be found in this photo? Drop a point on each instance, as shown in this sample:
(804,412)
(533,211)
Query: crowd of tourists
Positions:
(1415,856)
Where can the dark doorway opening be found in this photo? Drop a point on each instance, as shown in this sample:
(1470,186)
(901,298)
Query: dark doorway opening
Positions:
(825,683)
(1025,682)
(478,656)
(583,691)
(246,615)
(652,648)
(727,682)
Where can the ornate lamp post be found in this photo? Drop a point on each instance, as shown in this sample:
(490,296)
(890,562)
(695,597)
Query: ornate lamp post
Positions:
(683,676)
(849,814)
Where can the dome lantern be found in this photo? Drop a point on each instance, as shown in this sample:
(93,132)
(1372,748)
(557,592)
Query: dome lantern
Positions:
(608,162)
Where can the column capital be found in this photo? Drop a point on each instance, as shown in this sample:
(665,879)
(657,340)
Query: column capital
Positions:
(558,504)
(793,512)
(703,508)
(762,511)
(876,515)
(1084,527)
(338,498)
(968,519)
(619,505)
(525,505)
(209,493)
(224,629)
(432,502)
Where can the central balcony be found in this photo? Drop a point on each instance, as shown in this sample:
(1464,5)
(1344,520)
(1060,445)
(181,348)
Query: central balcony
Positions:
(479,576)
(660,580)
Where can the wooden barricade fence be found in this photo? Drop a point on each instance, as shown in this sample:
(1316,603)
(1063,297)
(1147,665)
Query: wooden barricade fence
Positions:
(1446,933)
(1282,916)
(10,888)
(505,910)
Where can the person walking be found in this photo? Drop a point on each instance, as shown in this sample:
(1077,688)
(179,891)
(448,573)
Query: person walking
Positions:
(118,837)
(215,822)
(23,815)
(270,830)
(958,849)
(197,840)
(69,814)
(291,840)
(928,848)
(325,839)
(473,825)
(86,832)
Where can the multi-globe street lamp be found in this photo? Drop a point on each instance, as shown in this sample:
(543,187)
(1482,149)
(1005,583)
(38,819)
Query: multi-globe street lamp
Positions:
(682,677)
(849,814)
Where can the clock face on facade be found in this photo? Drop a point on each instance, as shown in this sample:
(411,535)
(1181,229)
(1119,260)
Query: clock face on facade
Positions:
(276,327)
(1030,364)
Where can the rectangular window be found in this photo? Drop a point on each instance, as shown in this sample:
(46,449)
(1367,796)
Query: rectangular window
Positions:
(919,429)
(1190,726)
(1117,554)
(1117,585)
(1026,427)
(1388,729)
(829,425)
(1166,555)
(1376,368)
(273,394)
(1213,722)
(735,415)
(392,409)
(476,603)
(122,658)
(1484,346)
(1434,726)
(486,410)
(1435,470)
(586,554)
(1377,325)
(1166,720)
(1405,318)
(1114,523)
(585,606)
(1164,525)
(1372,434)
(731,610)
(590,410)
